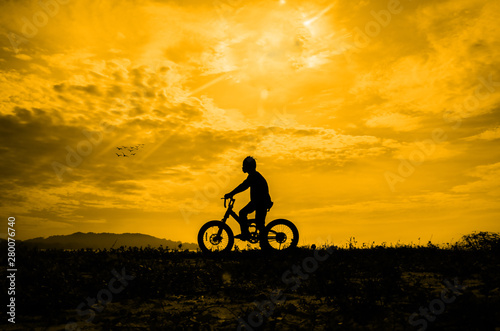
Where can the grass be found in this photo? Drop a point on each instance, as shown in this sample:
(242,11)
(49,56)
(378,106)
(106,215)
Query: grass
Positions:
(374,287)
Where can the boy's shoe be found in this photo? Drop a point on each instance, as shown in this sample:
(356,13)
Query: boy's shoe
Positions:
(242,236)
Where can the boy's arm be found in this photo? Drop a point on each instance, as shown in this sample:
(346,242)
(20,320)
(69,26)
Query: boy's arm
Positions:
(240,188)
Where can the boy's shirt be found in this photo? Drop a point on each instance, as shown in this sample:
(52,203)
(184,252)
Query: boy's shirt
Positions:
(259,190)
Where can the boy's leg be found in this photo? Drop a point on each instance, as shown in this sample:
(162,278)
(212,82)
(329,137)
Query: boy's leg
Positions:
(260,217)
(243,218)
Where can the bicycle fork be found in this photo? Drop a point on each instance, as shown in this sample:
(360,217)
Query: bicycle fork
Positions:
(223,220)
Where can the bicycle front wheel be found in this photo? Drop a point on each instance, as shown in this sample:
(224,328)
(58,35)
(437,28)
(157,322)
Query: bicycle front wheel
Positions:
(215,236)
(279,235)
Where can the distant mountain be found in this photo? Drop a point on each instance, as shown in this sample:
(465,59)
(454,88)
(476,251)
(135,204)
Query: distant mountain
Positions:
(105,240)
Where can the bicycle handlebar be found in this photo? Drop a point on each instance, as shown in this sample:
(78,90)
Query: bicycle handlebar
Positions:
(230,200)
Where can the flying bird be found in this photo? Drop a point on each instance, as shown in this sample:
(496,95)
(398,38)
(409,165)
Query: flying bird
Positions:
(130,149)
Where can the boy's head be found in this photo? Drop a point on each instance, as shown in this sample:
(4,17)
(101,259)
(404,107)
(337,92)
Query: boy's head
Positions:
(249,164)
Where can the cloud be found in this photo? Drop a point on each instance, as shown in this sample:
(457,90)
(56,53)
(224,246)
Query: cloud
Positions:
(491,134)
(203,85)
(426,150)
(24,57)
(315,145)
(489,177)
(396,121)
(440,68)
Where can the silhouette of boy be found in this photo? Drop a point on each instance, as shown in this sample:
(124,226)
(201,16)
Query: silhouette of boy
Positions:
(260,200)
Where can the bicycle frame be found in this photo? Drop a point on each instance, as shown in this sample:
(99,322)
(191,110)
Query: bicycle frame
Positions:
(229,212)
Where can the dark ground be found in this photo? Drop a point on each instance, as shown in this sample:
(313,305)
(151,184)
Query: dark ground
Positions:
(378,288)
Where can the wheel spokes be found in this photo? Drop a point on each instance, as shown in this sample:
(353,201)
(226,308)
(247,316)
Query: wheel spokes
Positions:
(215,242)
(280,236)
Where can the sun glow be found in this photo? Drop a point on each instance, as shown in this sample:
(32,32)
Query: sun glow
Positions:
(275,45)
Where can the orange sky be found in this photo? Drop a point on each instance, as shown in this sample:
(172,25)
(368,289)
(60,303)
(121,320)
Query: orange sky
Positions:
(373,119)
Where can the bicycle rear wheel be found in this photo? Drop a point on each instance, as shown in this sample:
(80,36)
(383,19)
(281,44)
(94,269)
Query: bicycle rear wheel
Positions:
(279,235)
(215,236)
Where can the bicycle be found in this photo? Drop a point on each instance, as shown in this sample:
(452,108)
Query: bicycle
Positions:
(217,236)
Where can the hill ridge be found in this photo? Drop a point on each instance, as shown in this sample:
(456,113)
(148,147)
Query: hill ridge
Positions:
(101,240)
